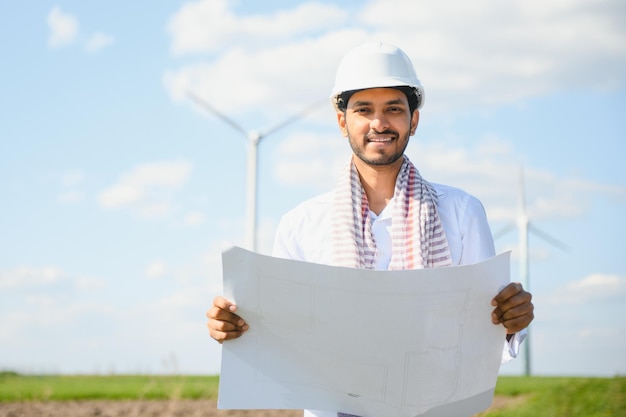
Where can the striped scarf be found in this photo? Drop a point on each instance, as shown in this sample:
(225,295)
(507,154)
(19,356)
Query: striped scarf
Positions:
(418,238)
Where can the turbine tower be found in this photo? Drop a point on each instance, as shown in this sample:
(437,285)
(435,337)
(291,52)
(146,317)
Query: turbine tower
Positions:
(254,138)
(523,224)
(524,228)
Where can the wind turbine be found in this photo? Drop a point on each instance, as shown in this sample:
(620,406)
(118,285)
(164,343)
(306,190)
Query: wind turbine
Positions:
(524,226)
(254,138)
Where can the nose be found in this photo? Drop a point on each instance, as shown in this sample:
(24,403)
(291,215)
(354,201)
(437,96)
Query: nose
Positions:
(379,122)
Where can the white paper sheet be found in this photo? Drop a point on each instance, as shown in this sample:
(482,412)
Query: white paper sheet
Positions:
(370,343)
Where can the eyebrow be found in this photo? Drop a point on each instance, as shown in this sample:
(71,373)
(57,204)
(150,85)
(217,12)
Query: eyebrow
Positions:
(369,103)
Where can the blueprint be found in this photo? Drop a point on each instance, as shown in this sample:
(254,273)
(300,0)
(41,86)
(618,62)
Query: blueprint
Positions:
(370,343)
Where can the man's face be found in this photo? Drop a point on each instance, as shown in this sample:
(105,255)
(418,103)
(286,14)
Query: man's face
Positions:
(378,123)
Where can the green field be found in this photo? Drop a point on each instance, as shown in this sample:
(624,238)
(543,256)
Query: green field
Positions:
(535,396)
(117,387)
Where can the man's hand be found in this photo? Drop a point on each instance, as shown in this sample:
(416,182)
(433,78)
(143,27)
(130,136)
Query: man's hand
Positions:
(223,323)
(513,308)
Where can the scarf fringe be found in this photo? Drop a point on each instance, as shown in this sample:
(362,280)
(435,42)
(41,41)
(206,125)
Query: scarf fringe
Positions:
(418,237)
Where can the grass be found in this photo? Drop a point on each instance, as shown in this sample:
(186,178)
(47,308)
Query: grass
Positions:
(538,396)
(563,396)
(15,387)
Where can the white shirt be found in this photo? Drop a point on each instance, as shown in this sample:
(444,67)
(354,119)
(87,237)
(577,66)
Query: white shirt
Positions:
(305,234)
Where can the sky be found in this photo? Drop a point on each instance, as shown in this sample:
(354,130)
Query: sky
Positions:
(119,192)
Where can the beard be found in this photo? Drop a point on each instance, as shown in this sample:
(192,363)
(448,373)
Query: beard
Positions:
(381,158)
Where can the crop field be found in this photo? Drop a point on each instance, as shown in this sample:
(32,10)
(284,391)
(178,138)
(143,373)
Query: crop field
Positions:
(156,396)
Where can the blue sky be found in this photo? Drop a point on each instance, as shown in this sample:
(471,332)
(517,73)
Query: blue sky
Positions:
(118,192)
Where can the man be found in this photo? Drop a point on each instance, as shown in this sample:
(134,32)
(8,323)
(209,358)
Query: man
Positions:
(383,214)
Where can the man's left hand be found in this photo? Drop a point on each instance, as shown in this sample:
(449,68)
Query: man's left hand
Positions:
(513,308)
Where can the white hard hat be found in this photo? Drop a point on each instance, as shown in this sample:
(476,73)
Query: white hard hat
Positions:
(373,65)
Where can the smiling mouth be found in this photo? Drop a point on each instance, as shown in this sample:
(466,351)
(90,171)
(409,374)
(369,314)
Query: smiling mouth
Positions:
(381,140)
(385,136)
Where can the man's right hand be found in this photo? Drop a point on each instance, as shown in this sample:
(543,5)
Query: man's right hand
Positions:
(223,323)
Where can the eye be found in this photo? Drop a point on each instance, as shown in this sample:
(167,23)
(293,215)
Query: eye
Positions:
(362,110)
(395,109)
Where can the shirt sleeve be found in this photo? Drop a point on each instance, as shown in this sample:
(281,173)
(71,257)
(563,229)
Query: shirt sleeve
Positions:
(285,240)
(475,233)
(512,347)
(281,247)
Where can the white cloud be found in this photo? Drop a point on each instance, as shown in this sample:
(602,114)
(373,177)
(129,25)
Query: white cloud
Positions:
(147,188)
(167,174)
(289,76)
(28,276)
(45,277)
(155,269)
(98,41)
(598,285)
(63,28)
(195,218)
(41,316)
(493,172)
(89,283)
(594,287)
(119,195)
(86,315)
(522,50)
(208,25)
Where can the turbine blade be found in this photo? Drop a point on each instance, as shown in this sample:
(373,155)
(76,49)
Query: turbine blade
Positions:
(206,106)
(294,118)
(551,240)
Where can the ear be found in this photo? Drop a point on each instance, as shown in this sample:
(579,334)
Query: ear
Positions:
(341,122)
(414,121)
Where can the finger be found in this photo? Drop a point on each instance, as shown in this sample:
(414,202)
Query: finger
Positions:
(225,330)
(224,304)
(519,299)
(512,295)
(222,336)
(513,312)
(223,326)
(223,310)
(216,313)
(222,330)
(507,292)
(223,323)
(518,323)
(515,319)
